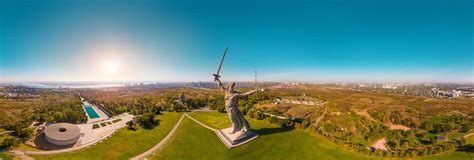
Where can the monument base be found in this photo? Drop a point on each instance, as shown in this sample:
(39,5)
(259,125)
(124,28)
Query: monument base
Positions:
(236,139)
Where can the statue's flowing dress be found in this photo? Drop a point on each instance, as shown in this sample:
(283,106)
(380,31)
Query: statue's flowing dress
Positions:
(238,121)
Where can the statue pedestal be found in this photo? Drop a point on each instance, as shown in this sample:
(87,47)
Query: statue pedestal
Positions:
(236,139)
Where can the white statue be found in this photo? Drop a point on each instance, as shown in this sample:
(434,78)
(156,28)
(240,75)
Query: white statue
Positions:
(239,125)
(240,132)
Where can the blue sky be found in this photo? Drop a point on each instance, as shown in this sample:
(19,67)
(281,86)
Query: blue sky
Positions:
(326,41)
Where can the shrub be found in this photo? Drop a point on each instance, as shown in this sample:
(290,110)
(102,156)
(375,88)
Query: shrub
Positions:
(116,120)
(147,120)
(95,126)
(9,143)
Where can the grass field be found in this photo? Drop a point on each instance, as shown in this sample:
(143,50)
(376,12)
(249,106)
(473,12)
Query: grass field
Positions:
(193,141)
(213,119)
(456,155)
(27,148)
(21,146)
(125,143)
(5,156)
(470,140)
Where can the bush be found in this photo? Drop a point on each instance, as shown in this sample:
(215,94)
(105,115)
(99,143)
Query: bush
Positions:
(147,120)
(24,133)
(132,125)
(116,120)
(103,124)
(9,143)
(95,126)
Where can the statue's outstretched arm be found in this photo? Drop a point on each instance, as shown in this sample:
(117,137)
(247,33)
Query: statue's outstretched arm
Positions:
(219,84)
(250,92)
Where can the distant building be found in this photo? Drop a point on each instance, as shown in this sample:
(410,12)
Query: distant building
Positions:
(182,97)
(389,86)
(442,138)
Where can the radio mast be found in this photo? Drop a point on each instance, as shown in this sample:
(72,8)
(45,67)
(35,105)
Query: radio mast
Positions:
(255,77)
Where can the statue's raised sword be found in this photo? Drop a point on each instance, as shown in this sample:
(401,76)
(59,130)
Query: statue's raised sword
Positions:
(216,76)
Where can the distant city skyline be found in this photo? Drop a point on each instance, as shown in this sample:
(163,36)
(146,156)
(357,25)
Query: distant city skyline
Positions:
(181,41)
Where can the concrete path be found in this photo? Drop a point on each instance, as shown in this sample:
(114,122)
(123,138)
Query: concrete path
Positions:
(202,124)
(21,155)
(468,135)
(7,132)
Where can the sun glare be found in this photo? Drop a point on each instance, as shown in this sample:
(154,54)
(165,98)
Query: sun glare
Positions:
(111,66)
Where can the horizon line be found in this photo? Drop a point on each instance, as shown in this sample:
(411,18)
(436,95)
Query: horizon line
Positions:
(282,81)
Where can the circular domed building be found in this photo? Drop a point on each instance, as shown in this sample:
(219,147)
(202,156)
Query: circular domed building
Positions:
(62,134)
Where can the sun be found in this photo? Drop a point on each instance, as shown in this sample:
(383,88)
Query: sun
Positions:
(112,66)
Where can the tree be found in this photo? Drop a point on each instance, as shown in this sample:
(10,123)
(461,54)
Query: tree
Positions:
(24,133)
(9,143)
(132,125)
(147,120)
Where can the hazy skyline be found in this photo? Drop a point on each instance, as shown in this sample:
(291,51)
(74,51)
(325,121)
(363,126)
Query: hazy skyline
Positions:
(341,41)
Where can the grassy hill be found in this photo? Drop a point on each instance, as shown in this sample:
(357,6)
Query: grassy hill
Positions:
(193,141)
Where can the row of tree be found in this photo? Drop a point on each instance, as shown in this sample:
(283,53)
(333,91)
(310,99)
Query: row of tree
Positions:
(63,111)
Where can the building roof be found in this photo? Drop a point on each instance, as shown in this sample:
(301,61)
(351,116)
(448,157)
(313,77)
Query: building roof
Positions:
(62,131)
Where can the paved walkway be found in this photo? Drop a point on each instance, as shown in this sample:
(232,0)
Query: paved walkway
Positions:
(468,135)
(21,155)
(7,132)
(202,124)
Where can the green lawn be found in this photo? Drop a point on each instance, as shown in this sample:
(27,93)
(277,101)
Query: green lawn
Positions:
(116,120)
(193,141)
(212,119)
(470,140)
(95,126)
(125,143)
(455,155)
(21,146)
(27,148)
(5,156)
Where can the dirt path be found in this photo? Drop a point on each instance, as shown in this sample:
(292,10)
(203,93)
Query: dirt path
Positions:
(364,113)
(392,126)
(320,117)
(380,144)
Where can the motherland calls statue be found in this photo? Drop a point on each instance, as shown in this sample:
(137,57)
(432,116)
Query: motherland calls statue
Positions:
(239,125)
(240,132)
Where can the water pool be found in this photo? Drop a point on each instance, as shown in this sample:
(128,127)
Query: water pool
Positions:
(91,112)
